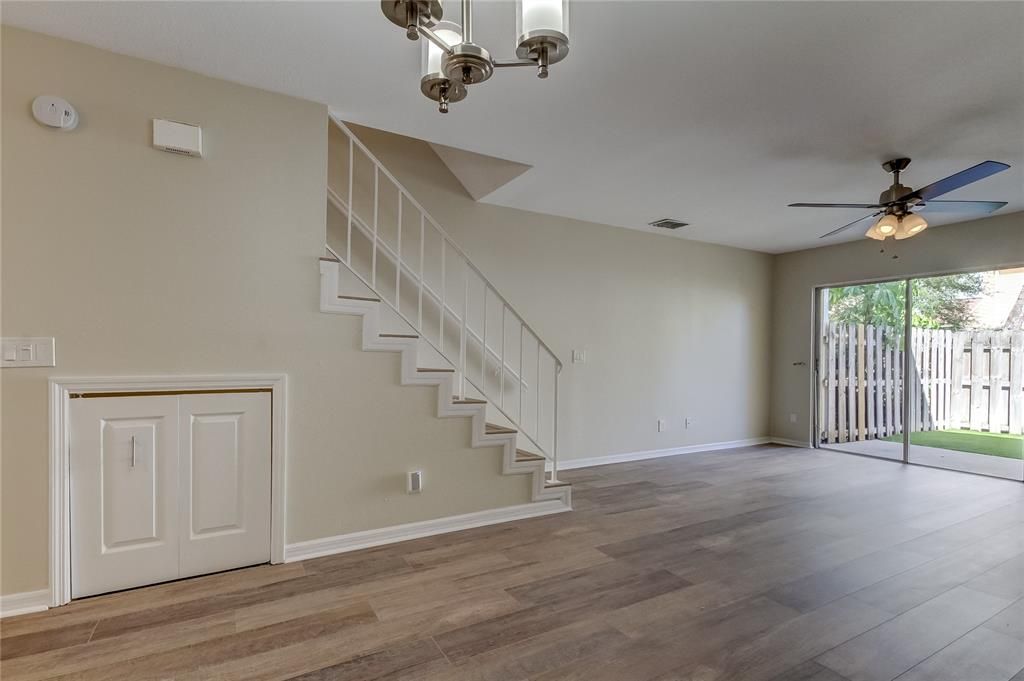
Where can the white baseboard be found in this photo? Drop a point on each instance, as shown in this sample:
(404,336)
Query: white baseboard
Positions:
(24,603)
(426,528)
(566,464)
(789,443)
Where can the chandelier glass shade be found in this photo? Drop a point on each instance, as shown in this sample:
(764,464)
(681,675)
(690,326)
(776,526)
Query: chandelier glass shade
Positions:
(451,61)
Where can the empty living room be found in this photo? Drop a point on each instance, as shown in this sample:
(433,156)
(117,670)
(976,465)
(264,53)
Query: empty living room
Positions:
(444,340)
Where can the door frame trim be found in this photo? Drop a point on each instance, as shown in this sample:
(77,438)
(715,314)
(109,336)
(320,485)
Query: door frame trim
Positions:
(60,389)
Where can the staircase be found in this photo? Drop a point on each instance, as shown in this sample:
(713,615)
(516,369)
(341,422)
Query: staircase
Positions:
(419,295)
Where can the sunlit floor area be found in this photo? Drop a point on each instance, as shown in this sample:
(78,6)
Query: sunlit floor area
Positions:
(982,464)
(759,564)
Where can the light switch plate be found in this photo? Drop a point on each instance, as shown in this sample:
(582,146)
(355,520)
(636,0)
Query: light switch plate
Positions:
(29,352)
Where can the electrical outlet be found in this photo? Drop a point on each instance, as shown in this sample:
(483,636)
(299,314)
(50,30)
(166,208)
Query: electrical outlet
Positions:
(792,418)
(579,356)
(662,425)
(688,422)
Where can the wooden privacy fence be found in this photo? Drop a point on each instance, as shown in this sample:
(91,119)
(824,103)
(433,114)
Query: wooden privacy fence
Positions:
(957,379)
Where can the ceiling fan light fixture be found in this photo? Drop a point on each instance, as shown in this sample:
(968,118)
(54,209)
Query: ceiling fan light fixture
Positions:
(898,201)
(911,225)
(887,226)
(873,233)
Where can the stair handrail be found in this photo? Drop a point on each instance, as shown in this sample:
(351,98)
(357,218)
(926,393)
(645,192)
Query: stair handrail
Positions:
(400,267)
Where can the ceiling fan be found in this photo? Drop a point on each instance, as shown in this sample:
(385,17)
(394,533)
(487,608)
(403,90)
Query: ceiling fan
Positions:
(898,205)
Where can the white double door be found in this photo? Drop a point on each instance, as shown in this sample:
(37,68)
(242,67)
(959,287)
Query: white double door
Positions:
(167,486)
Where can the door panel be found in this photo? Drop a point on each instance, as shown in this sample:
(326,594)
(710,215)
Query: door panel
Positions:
(131,499)
(860,369)
(124,505)
(224,473)
(217,474)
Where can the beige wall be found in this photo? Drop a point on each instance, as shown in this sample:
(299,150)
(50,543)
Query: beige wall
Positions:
(672,328)
(981,244)
(143,262)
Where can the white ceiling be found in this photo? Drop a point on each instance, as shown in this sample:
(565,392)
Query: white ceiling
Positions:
(715,113)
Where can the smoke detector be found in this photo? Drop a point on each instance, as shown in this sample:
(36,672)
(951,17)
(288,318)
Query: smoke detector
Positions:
(668,223)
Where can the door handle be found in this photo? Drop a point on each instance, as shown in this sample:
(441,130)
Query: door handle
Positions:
(133,451)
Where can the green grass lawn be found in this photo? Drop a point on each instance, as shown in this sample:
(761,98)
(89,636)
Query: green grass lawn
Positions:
(990,444)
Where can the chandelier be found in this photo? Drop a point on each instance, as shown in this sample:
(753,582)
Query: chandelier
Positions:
(452,61)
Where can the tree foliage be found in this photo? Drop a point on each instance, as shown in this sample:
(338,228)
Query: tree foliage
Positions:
(939,302)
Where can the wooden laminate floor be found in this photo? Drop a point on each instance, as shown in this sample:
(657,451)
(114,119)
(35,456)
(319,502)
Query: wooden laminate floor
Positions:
(766,563)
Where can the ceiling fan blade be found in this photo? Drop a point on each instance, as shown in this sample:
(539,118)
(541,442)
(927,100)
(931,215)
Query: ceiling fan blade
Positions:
(957,180)
(835,205)
(844,227)
(960,206)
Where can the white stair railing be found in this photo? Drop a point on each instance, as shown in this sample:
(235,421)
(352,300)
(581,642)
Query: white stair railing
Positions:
(451,304)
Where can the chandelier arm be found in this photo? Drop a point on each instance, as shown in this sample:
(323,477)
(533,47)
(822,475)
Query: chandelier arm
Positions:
(434,38)
(500,63)
(467,21)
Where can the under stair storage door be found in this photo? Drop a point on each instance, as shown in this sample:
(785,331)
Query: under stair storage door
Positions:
(124,493)
(224,520)
(167,486)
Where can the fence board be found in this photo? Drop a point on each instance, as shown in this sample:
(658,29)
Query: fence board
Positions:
(998,377)
(1016,408)
(830,386)
(869,377)
(877,371)
(932,364)
(861,385)
(961,379)
(947,368)
(890,350)
(851,383)
(979,373)
(959,398)
(841,369)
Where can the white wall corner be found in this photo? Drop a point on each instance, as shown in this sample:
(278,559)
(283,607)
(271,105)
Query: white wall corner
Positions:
(24,603)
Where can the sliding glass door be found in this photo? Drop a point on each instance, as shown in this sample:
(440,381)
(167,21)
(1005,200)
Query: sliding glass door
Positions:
(927,370)
(860,369)
(966,391)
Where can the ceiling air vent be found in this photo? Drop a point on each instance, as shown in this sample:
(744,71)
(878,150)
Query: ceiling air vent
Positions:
(668,223)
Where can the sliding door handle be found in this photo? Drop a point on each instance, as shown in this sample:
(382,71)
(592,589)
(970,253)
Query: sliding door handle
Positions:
(133,451)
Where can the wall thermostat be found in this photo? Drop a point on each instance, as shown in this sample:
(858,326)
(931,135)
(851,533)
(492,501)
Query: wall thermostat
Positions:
(177,137)
(54,112)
